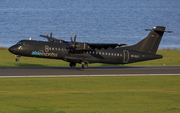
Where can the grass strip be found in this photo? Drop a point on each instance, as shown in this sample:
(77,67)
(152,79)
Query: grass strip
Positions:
(150,94)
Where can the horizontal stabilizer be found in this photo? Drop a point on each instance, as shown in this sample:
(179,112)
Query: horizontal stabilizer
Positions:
(159,30)
(164,31)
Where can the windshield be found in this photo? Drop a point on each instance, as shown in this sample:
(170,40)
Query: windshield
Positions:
(23,43)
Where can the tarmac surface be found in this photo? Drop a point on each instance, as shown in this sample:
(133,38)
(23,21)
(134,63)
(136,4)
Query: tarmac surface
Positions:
(91,71)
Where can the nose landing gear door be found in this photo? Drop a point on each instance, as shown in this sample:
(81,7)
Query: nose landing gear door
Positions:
(126,56)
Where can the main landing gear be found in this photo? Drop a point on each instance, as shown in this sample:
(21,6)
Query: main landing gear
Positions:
(17,57)
(72,64)
(84,65)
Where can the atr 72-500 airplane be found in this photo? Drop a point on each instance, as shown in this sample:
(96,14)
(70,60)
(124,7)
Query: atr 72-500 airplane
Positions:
(85,53)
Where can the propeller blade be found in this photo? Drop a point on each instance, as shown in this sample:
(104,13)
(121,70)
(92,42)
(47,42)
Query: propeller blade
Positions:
(71,38)
(51,35)
(75,38)
(47,36)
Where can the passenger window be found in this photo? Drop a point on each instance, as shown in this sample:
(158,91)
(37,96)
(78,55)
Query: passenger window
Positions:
(46,48)
(117,54)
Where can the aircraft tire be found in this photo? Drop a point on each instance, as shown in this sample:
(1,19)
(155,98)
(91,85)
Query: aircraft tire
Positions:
(84,66)
(72,64)
(17,59)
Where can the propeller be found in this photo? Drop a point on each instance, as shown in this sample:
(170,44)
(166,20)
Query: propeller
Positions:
(73,42)
(49,38)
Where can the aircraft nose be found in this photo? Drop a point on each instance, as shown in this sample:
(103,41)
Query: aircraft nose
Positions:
(12,49)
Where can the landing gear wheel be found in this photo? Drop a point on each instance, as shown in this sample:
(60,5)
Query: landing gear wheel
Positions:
(17,59)
(85,66)
(72,64)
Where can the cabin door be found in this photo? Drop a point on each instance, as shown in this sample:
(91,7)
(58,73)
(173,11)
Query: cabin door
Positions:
(126,56)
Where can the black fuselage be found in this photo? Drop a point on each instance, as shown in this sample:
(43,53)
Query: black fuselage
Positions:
(54,50)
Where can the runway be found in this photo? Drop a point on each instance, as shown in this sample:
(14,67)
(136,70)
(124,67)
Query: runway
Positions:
(91,71)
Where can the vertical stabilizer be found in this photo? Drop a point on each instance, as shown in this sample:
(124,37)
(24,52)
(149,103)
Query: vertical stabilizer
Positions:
(151,43)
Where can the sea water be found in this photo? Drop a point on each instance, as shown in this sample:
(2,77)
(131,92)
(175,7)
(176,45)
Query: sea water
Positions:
(94,21)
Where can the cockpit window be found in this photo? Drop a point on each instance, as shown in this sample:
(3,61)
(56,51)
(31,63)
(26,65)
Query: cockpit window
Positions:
(23,43)
(19,43)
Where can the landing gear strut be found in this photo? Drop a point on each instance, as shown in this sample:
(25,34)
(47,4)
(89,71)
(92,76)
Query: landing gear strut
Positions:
(84,65)
(72,64)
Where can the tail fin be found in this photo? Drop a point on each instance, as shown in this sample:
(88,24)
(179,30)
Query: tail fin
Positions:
(151,43)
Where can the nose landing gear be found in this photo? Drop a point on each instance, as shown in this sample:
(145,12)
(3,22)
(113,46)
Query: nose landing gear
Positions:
(17,57)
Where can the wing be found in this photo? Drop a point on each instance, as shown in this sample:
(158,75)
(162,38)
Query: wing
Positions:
(105,46)
(79,45)
(92,46)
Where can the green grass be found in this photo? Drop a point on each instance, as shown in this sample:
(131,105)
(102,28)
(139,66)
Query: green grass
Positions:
(148,94)
(171,57)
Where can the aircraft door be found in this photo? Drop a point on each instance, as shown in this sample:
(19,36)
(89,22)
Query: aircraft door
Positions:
(126,56)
